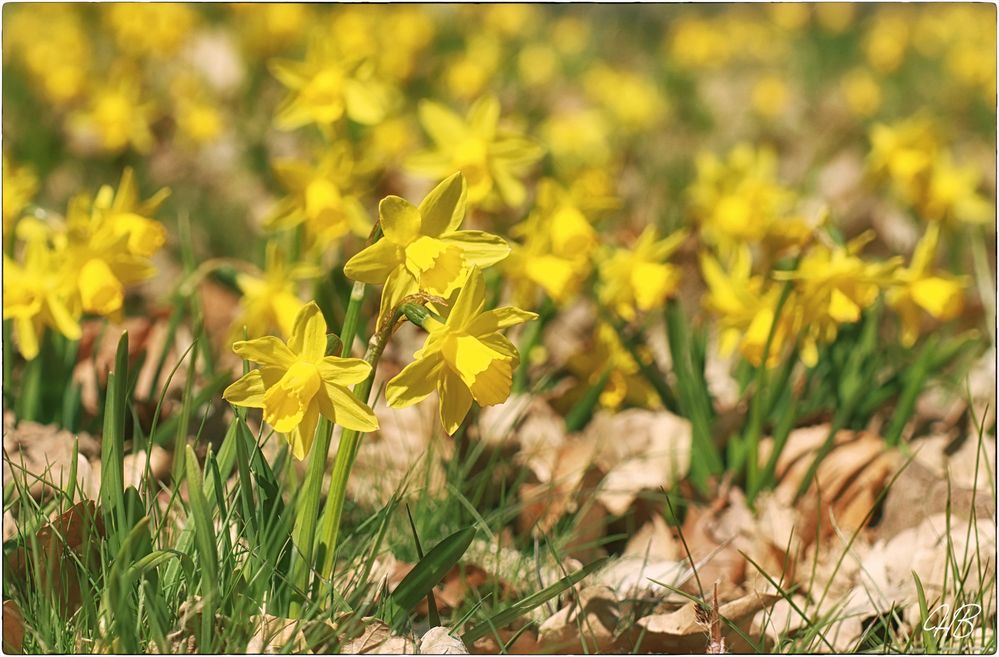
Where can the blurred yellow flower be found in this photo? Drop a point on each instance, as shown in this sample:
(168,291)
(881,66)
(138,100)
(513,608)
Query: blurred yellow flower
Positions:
(296,383)
(557,242)
(770,96)
(745,306)
(35,296)
(156,29)
(952,195)
(632,99)
(862,92)
(637,279)
(486,156)
(321,198)
(917,287)
(422,249)
(327,86)
(118,115)
(833,286)
(270,300)
(465,357)
(19,187)
(738,199)
(625,383)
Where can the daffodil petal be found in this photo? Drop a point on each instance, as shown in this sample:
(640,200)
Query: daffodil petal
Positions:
(350,413)
(247,391)
(414,383)
(374,264)
(308,335)
(267,350)
(455,400)
(479,248)
(27,337)
(444,126)
(500,318)
(400,219)
(471,299)
(343,371)
(443,209)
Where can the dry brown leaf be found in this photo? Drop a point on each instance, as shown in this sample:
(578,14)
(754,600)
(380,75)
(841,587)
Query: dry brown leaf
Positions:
(437,641)
(515,642)
(686,629)
(587,624)
(847,482)
(69,540)
(377,639)
(13,628)
(42,454)
(639,450)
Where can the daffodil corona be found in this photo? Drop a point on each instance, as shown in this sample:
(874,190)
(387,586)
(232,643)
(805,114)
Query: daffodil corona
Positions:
(296,383)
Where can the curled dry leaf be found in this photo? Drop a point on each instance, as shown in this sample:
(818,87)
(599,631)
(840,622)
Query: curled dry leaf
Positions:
(438,641)
(650,450)
(41,456)
(13,628)
(846,485)
(686,630)
(377,639)
(61,549)
(589,623)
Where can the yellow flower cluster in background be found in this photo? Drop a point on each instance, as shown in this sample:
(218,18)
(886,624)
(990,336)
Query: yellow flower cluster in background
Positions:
(80,265)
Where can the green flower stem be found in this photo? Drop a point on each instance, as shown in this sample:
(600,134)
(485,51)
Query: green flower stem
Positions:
(350,442)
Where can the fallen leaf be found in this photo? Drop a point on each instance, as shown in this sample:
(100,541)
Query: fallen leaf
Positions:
(639,450)
(41,456)
(59,549)
(437,641)
(13,628)
(686,630)
(588,624)
(377,639)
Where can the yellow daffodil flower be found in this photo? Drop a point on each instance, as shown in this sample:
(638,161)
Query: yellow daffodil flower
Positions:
(744,305)
(327,86)
(625,383)
(117,116)
(35,296)
(296,383)
(19,187)
(833,286)
(270,300)
(918,287)
(422,249)
(464,358)
(637,279)
(739,198)
(952,196)
(486,156)
(129,217)
(558,241)
(320,198)
(903,153)
(154,29)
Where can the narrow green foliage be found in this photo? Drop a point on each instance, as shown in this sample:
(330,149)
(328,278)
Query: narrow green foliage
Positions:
(112,487)
(427,574)
(204,540)
(581,412)
(524,605)
(433,617)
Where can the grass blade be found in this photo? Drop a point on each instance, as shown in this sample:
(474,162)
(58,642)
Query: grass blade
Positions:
(525,605)
(428,573)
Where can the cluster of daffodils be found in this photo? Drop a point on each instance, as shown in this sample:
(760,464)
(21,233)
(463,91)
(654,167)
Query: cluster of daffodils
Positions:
(764,309)
(422,255)
(59,270)
(922,174)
